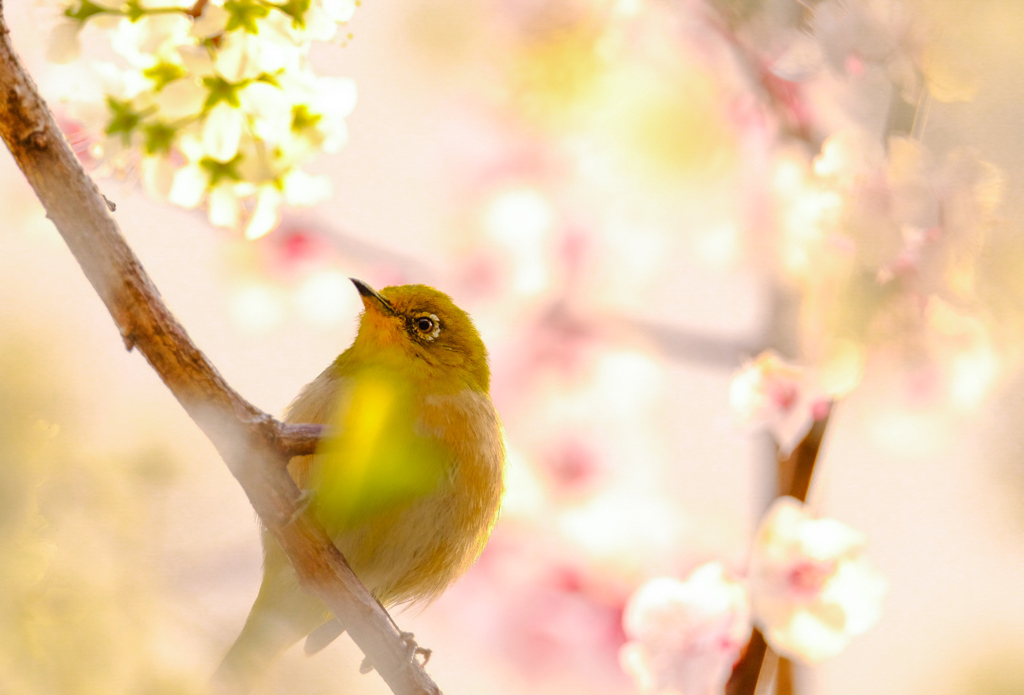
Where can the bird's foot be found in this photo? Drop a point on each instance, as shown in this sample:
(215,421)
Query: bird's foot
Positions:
(414,649)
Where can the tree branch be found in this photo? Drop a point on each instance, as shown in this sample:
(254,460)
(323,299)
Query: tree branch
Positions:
(745,673)
(795,470)
(683,345)
(298,440)
(255,446)
(795,473)
(784,677)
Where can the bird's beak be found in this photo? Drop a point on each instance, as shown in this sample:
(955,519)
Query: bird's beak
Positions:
(373,297)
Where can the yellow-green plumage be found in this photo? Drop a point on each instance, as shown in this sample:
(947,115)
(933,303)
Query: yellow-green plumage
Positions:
(409,486)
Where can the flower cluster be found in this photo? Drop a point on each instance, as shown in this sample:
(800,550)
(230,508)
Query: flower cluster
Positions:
(893,213)
(900,39)
(881,241)
(216,101)
(808,588)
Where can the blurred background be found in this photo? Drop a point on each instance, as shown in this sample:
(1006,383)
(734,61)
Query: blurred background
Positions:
(628,198)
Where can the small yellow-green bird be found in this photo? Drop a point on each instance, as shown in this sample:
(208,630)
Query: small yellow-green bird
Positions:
(409,484)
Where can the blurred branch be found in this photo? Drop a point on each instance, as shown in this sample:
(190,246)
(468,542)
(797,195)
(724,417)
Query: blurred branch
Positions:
(255,446)
(688,346)
(908,113)
(902,112)
(366,251)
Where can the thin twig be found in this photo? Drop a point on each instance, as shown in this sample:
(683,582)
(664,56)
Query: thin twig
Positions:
(254,445)
(298,440)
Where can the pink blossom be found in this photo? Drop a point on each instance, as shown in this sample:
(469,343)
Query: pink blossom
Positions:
(811,588)
(782,397)
(79,138)
(684,637)
(848,37)
(573,465)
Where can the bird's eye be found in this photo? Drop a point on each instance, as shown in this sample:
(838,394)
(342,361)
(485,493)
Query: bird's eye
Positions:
(428,325)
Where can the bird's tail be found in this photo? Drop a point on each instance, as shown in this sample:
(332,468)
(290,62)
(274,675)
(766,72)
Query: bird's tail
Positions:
(281,615)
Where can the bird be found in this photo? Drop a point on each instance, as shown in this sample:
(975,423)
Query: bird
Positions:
(409,484)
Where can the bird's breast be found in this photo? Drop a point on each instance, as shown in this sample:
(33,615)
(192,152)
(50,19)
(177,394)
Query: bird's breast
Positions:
(409,486)
(466,507)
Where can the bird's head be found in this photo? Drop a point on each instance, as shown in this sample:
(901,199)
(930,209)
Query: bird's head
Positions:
(419,330)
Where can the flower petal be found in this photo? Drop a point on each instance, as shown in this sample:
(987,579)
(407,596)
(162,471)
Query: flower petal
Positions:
(222,132)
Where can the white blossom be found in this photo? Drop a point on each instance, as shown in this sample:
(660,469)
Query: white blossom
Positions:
(224,205)
(222,132)
(180,99)
(158,175)
(302,189)
(265,214)
(334,98)
(223,108)
(64,43)
(242,55)
(152,38)
(211,22)
(188,186)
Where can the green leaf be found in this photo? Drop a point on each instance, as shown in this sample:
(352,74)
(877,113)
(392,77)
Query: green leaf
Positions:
(296,9)
(242,14)
(222,90)
(163,73)
(221,171)
(86,10)
(269,79)
(135,11)
(302,118)
(124,119)
(159,138)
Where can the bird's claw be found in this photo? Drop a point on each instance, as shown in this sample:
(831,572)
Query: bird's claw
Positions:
(414,649)
(302,504)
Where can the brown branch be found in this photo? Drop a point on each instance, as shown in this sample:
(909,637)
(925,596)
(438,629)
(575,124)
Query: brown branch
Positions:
(196,11)
(795,472)
(254,445)
(297,440)
(747,670)
(784,677)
